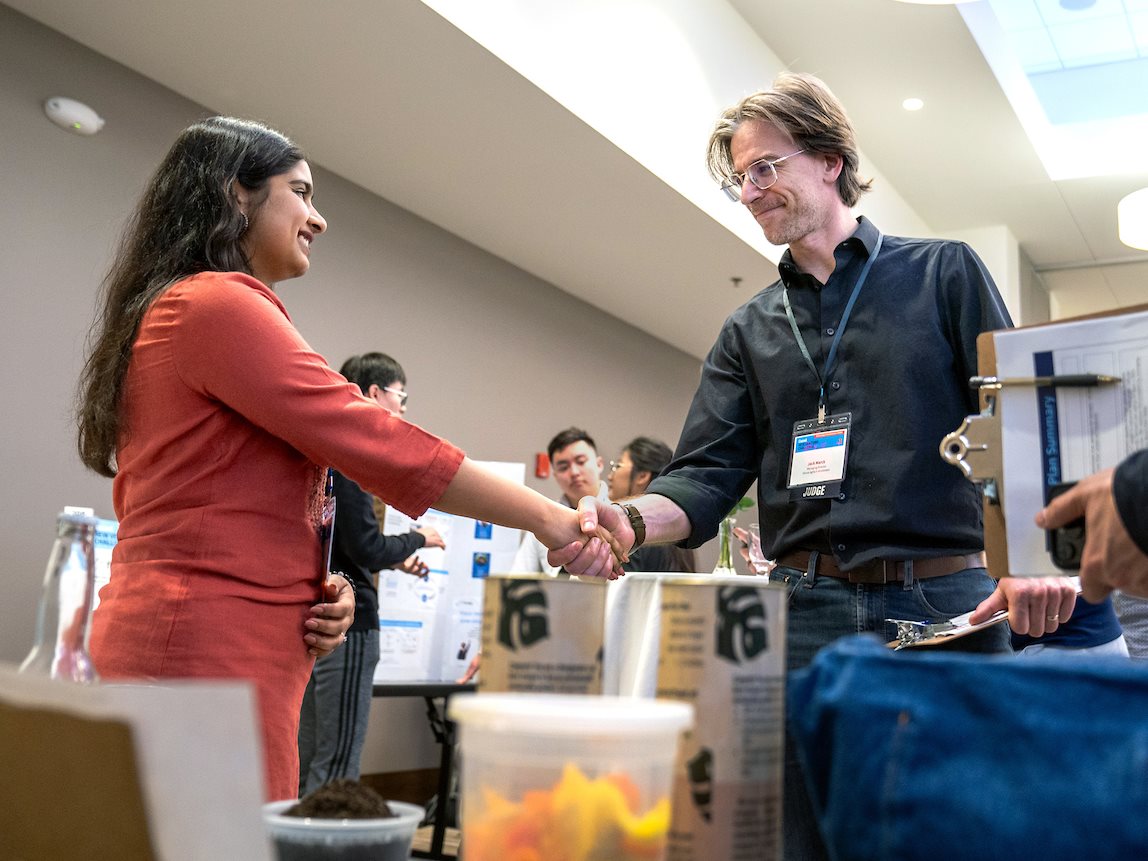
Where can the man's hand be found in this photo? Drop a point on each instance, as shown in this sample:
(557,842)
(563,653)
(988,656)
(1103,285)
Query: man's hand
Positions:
(749,546)
(599,551)
(327,627)
(1036,605)
(414,565)
(1111,559)
(471,670)
(433,539)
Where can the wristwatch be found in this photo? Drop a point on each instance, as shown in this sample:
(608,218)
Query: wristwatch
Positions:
(636,523)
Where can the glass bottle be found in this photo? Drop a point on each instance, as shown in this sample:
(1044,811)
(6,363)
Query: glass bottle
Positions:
(61,649)
(725,547)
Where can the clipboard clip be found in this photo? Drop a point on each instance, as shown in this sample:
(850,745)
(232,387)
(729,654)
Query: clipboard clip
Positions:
(975,447)
(910,632)
(926,633)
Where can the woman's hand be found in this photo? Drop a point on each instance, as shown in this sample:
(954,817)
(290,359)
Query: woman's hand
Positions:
(327,627)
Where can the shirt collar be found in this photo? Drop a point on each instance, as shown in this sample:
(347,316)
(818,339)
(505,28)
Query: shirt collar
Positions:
(864,237)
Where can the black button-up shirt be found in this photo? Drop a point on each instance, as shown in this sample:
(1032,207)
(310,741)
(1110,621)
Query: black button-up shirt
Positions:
(902,370)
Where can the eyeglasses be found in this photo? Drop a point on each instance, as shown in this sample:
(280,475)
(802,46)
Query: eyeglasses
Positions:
(762,173)
(615,465)
(398,393)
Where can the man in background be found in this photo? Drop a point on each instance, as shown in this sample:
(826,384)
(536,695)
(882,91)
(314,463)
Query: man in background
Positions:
(337,702)
(577,469)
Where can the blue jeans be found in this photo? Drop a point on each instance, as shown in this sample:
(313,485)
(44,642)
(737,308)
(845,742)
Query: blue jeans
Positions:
(919,755)
(822,610)
(336,706)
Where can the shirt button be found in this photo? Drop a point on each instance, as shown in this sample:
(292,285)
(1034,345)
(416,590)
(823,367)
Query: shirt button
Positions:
(829,331)
(841,547)
(841,496)
(836,385)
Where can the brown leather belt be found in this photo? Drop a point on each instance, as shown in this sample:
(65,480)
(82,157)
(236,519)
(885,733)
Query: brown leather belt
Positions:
(883,570)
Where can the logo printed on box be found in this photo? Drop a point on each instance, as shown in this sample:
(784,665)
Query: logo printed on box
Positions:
(741,628)
(701,775)
(523,620)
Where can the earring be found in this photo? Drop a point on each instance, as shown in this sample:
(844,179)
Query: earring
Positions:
(246,224)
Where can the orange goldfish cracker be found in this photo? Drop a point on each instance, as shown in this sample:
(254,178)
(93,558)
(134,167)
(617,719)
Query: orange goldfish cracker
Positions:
(577,820)
(627,787)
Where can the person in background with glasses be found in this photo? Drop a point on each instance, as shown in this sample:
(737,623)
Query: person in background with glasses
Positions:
(337,701)
(831,388)
(640,461)
(577,469)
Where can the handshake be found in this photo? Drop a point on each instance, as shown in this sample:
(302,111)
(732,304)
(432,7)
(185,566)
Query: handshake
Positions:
(595,539)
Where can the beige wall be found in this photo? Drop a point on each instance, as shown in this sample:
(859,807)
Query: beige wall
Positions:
(497,360)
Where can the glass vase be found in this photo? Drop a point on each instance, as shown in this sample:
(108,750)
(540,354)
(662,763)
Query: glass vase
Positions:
(725,546)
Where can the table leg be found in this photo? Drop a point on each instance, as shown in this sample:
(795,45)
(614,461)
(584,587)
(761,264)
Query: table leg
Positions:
(443,731)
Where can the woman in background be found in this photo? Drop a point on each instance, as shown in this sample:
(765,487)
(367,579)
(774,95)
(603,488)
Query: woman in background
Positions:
(639,463)
(217,422)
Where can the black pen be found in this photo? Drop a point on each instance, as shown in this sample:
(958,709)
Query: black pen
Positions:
(1056,381)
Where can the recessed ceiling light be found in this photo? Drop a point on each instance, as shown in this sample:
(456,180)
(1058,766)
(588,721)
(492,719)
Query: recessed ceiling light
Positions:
(1132,219)
(913,104)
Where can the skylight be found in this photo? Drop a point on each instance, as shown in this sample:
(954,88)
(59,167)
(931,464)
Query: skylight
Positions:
(1076,73)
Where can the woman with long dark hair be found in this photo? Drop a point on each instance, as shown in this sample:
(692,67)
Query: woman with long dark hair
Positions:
(218,422)
(640,462)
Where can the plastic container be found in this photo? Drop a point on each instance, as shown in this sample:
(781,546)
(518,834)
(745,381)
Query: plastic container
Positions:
(566,776)
(302,838)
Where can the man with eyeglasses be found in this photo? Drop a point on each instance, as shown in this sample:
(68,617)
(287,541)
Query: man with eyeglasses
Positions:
(831,389)
(577,468)
(337,701)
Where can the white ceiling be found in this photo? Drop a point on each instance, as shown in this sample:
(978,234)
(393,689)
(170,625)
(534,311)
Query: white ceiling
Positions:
(393,97)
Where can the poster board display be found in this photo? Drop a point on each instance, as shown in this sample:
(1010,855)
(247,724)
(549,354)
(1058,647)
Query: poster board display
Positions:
(429,630)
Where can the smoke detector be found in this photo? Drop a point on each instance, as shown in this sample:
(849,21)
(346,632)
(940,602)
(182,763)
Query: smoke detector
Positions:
(73,116)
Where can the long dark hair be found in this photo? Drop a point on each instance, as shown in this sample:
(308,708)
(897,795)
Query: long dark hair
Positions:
(652,455)
(187,221)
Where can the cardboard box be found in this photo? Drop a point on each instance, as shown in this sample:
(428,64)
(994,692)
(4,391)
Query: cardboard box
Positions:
(721,647)
(542,634)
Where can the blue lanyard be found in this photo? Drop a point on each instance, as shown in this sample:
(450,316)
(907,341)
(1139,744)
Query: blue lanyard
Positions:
(831,359)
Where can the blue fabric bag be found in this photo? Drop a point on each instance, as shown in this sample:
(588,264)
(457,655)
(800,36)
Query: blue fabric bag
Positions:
(941,755)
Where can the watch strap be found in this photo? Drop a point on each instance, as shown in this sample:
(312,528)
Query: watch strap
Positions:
(637,523)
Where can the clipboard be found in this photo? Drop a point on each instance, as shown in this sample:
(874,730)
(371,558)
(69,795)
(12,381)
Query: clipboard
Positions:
(976,447)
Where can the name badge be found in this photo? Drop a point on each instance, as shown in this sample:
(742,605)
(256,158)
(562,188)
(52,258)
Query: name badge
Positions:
(818,457)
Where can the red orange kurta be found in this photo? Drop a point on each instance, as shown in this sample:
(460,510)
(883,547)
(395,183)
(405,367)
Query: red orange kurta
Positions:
(229,420)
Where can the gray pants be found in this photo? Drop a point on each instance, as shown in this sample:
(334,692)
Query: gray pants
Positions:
(336,706)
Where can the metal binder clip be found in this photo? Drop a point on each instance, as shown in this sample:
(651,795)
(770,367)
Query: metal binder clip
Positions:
(975,447)
(910,632)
